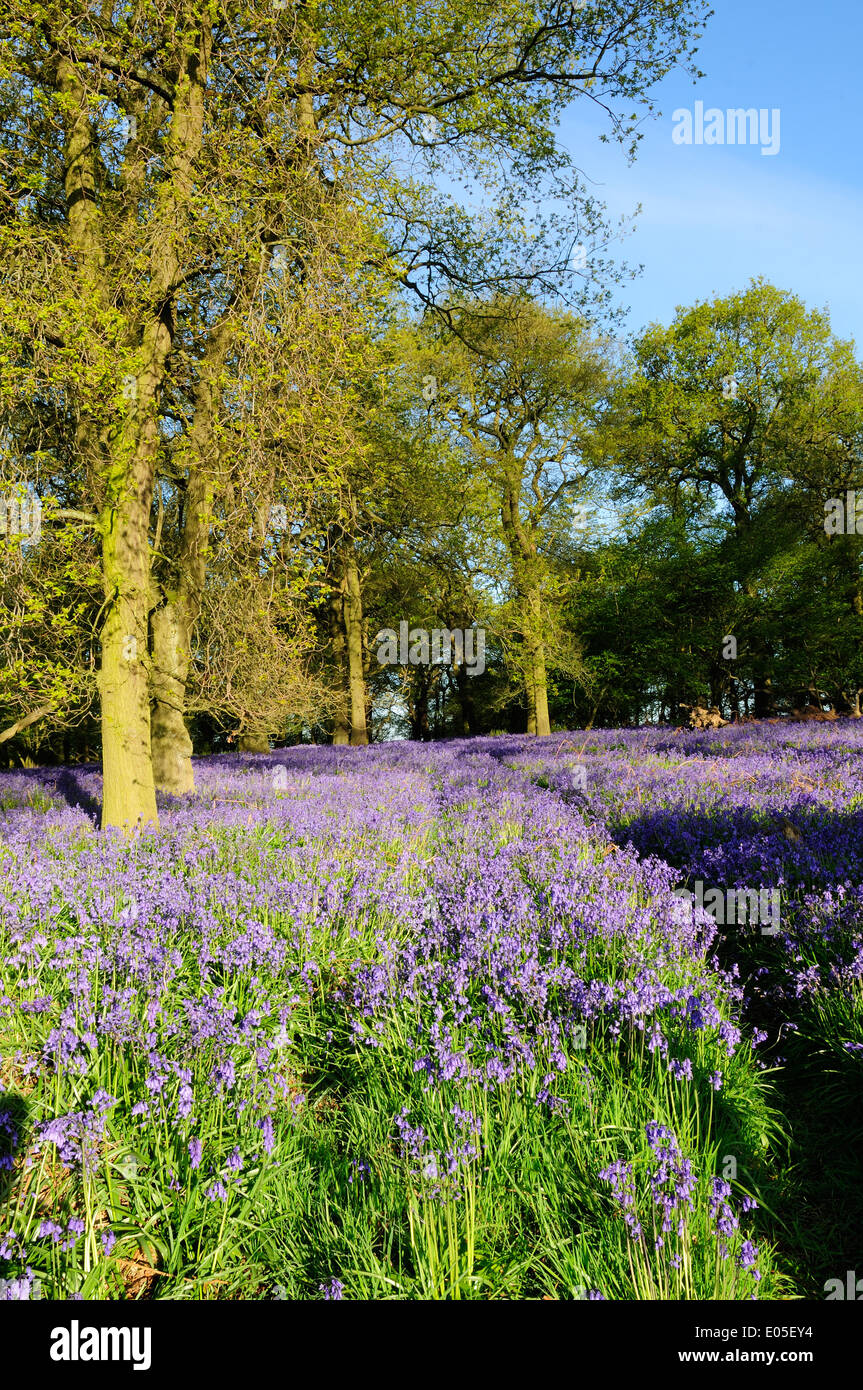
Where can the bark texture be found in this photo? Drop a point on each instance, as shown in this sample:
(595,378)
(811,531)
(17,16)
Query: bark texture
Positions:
(353,611)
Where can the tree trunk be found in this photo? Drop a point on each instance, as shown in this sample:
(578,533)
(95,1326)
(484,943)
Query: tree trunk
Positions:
(764,704)
(537,676)
(252,742)
(468,717)
(418,704)
(173,623)
(353,609)
(522,543)
(341,727)
(855,597)
(530,692)
(127,463)
(124,457)
(128,788)
(538,721)
(172,746)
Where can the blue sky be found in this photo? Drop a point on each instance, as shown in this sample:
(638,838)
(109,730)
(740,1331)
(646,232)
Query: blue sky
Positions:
(714,216)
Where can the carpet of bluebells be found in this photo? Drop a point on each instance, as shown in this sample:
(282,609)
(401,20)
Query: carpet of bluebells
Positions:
(427,1021)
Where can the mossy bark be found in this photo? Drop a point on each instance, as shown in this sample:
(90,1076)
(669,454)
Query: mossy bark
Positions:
(171,744)
(537,673)
(252,742)
(341,725)
(129,794)
(173,620)
(353,610)
(123,456)
(521,539)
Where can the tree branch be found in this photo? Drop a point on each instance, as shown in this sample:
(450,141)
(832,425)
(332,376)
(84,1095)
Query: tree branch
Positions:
(71,514)
(28,719)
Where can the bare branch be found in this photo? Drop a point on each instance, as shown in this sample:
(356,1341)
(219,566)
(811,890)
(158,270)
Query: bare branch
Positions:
(24,723)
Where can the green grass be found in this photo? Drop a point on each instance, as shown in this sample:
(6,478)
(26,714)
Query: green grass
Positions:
(526,1216)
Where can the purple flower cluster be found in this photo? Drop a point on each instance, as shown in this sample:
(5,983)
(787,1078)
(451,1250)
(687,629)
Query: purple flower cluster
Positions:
(749,807)
(439,1169)
(620,1176)
(675,1188)
(476,893)
(76,1136)
(672,1180)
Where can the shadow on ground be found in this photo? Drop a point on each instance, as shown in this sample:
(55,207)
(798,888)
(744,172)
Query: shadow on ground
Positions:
(818,1083)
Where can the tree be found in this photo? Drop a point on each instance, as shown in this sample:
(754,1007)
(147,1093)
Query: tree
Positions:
(522,389)
(719,406)
(152,160)
(49,597)
(139,255)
